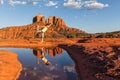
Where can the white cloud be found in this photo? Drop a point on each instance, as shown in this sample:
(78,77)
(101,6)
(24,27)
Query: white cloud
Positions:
(89,4)
(49,76)
(12,3)
(51,3)
(1,1)
(73,4)
(95,5)
(34,2)
(69,68)
(79,4)
(16,2)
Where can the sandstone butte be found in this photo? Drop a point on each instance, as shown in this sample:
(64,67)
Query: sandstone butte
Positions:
(95,58)
(10,67)
(52,19)
(58,30)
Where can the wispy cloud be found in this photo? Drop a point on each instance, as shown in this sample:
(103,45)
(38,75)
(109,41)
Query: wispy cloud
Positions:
(95,5)
(79,4)
(34,2)
(18,2)
(89,4)
(51,3)
(1,1)
(73,4)
(12,3)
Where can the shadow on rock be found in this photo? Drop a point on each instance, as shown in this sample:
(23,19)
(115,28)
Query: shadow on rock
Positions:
(98,65)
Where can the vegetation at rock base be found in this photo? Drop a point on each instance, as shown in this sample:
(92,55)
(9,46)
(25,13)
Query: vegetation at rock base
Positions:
(115,34)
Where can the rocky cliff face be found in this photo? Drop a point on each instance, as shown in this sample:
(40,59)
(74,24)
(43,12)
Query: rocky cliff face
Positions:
(18,32)
(29,31)
(56,21)
(52,19)
(39,18)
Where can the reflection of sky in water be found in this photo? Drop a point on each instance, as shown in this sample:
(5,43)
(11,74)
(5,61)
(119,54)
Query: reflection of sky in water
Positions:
(61,68)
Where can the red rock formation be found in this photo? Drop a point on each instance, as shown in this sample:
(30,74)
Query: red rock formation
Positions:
(56,21)
(29,31)
(39,18)
(52,19)
(60,22)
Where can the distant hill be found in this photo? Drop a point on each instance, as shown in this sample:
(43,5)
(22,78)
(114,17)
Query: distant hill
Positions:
(60,29)
(115,34)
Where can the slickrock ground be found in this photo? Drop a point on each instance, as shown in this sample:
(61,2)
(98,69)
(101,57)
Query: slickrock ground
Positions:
(95,58)
(32,43)
(10,67)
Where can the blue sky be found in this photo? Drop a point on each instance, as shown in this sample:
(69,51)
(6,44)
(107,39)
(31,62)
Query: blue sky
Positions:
(89,15)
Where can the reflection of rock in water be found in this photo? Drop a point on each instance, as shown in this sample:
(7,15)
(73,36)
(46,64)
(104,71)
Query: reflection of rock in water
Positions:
(55,51)
(40,53)
(51,51)
(37,53)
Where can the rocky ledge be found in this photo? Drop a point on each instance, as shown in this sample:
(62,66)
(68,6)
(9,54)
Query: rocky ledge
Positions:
(96,58)
(10,67)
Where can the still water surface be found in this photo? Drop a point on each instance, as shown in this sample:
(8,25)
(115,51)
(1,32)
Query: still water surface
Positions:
(59,65)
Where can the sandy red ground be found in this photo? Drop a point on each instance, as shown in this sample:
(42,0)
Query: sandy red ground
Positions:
(95,58)
(10,67)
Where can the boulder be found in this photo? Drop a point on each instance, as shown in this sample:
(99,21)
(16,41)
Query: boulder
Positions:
(39,18)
